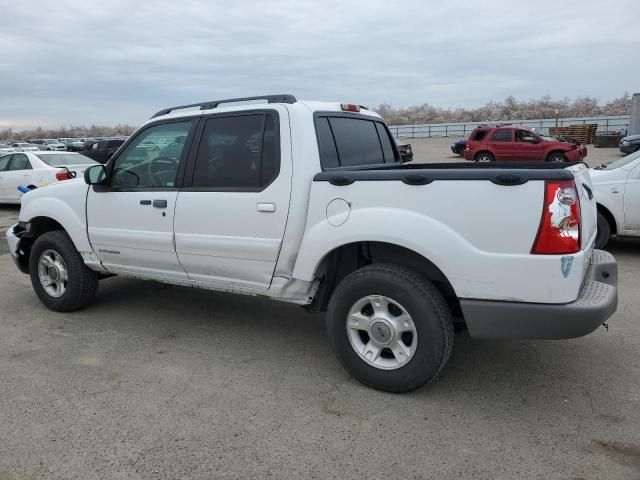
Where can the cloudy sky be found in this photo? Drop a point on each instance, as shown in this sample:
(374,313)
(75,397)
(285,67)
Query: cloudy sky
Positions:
(116,61)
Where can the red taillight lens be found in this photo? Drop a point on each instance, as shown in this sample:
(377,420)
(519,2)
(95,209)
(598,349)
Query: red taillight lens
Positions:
(559,230)
(350,107)
(63,175)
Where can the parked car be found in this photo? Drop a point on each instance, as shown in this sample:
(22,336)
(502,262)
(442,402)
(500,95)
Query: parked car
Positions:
(25,147)
(6,148)
(630,144)
(322,212)
(459,147)
(49,144)
(617,190)
(406,152)
(37,169)
(508,143)
(101,150)
(75,144)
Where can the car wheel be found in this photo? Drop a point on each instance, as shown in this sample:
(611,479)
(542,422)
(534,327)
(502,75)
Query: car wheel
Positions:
(603,234)
(483,157)
(390,328)
(556,157)
(58,274)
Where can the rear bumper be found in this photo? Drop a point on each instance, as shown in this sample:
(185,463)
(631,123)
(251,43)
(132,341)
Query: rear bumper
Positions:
(597,301)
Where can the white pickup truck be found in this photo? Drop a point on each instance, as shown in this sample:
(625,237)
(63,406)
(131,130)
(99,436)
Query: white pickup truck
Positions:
(310,203)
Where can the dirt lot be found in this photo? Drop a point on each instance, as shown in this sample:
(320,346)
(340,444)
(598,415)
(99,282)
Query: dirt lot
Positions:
(155,381)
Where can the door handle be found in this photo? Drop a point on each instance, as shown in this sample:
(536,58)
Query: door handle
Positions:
(266,207)
(26,174)
(160,203)
(145,202)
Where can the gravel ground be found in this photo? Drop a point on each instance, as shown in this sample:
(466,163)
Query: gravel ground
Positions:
(156,381)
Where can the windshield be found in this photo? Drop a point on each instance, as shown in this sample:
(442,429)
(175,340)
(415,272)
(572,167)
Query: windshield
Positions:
(64,159)
(623,161)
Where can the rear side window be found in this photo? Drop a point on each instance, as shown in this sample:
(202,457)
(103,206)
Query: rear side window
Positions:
(349,142)
(238,152)
(479,135)
(502,135)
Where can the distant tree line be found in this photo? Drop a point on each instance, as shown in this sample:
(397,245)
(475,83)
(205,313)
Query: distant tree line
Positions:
(67,132)
(508,109)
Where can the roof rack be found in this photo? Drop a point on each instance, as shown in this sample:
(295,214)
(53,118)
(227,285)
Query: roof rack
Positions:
(283,98)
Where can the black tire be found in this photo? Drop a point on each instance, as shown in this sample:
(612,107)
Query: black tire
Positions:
(556,157)
(604,231)
(425,305)
(82,283)
(484,157)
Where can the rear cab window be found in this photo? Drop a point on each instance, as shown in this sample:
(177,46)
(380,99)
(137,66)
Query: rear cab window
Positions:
(353,140)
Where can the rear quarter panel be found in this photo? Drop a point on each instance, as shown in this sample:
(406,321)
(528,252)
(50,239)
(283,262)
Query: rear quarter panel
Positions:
(477,233)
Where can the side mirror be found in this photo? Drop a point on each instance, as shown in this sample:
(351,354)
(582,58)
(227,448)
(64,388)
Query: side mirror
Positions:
(95,175)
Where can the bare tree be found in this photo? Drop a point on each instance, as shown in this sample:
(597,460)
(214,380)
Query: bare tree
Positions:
(508,109)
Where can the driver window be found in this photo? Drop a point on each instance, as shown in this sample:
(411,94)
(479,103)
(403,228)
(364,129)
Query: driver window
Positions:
(524,136)
(152,158)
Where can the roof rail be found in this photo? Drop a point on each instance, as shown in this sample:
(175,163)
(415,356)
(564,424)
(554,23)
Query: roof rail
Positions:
(283,98)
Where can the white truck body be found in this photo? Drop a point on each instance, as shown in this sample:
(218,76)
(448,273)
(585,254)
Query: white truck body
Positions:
(471,229)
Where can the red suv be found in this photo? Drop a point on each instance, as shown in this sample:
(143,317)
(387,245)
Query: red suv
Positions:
(508,143)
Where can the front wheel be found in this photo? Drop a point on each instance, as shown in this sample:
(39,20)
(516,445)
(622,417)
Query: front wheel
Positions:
(390,328)
(58,274)
(556,158)
(484,157)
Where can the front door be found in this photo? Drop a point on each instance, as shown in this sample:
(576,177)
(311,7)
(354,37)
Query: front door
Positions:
(4,166)
(632,203)
(18,173)
(230,221)
(527,147)
(130,220)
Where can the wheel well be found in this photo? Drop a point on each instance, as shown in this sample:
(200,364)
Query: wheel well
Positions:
(553,152)
(477,154)
(610,218)
(348,258)
(38,226)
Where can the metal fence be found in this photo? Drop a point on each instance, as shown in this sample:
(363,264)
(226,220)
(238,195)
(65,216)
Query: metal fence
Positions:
(605,124)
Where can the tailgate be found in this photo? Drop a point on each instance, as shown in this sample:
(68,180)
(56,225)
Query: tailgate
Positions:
(588,210)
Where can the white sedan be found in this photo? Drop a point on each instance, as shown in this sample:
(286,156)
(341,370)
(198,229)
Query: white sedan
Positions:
(617,192)
(25,147)
(37,169)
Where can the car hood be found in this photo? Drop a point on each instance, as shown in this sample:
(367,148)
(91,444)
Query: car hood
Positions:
(631,138)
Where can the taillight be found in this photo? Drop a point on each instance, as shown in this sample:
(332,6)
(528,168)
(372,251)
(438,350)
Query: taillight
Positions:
(63,175)
(559,230)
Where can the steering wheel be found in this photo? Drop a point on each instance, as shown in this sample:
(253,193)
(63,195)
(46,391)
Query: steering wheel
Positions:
(159,168)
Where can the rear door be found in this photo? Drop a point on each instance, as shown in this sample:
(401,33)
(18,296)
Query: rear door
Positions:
(502,144)
(130,221)
(231,216)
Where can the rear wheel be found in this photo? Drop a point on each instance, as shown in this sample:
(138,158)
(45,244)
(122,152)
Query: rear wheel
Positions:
(390,328)
(556,157)
(58,274)
(604,231)
(484,157)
